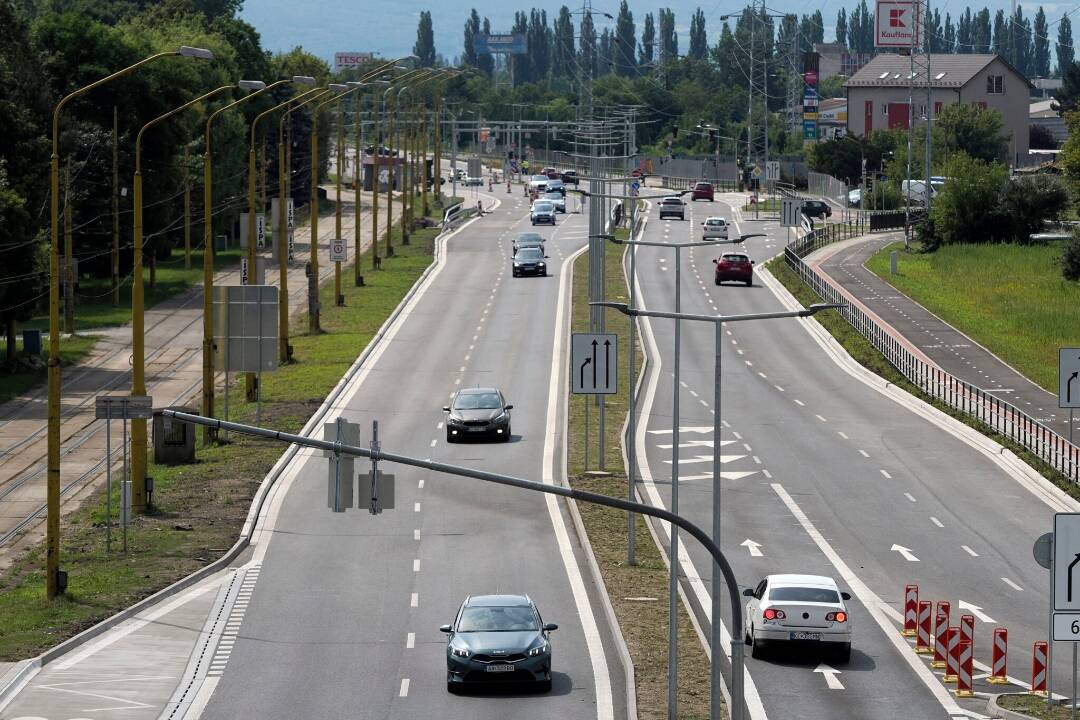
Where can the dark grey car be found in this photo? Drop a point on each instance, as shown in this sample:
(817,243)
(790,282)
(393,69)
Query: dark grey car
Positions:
(498,639)
(529,261)
(478,413)
(528,239)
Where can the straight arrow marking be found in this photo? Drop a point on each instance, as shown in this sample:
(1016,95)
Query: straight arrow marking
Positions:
(753,547)
(976,611)
(724,459)
(906,552)
(830,676)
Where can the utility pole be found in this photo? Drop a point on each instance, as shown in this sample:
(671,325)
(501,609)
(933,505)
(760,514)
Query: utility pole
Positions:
(187,211)
(115,259)
(69,267)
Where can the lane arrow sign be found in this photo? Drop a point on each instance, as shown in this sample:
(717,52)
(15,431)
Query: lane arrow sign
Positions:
(594,363)
(607,364)
(830,676)
(753,547)
(976,611)
(906,552)
(587,362)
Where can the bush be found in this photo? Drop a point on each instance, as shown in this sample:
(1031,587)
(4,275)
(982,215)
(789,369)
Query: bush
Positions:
(927,234)
(969,208)
(1070,259)
(1030,201)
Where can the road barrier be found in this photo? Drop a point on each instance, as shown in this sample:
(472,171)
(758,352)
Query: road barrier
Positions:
(967,629)
(1038,668)
(998,662)
(941,624)
(911,610)
(922,639)
(952,657)
(1002,417)
(967,659)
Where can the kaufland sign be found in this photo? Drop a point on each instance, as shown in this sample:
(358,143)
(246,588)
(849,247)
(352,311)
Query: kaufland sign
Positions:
(897,23)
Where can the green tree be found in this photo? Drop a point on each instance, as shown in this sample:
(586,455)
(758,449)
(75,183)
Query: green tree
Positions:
(648,41)
(587,47)
(980,32)
(1067,98)
(948,40)
(963,32)
(425,40)
(1031,201)
(699,43)
(841,27)
(968,209)
(1002,36)
(472,29)
(1064,46)
(1041,45)
(970,129)
(1069,158)
(624,42)
(563,44)
(669,40)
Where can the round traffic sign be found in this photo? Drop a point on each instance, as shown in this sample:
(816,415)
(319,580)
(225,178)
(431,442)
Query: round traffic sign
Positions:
(1043,548)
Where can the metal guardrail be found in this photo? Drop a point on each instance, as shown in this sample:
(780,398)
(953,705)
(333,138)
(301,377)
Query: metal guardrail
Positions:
(1003,417)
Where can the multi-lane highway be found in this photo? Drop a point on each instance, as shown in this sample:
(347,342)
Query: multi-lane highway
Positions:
(829,476)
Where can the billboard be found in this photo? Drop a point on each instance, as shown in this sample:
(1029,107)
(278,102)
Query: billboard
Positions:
(811,65)
(501,44)
(897,23)
(344,60)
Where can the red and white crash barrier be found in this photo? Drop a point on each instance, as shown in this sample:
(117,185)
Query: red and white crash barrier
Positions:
(952,656)
(922,639)
(963,678)
(941,625)
(967,629)
(1038,668)
(998,671)
(911,611)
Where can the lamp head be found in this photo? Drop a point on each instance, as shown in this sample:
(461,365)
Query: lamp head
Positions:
(251,85)
(194,52)
(338,87)
(355,84)
(303,80)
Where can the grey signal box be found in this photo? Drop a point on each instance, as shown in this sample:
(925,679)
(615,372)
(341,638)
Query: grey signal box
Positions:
(339,486)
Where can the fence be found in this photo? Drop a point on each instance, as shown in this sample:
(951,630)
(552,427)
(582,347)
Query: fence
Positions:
(826,186)
(1004,418)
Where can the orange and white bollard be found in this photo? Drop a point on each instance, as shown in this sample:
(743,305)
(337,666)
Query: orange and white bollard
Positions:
(1038,668)
(967,629)
(952,654)
(911,611)
(922,639)
(941,625)
(998,671)
(967,660)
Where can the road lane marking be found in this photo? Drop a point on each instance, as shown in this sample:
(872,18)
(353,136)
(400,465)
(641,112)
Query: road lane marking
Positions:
(433,443)
(414,600)
(416,534)
(404,692)
(1011,584)
(778,388)
(969,551)
(766,473)
(910,497)
(799,402)
(841,434)
(821,418)
(416,565)
(439,426)
(410,641)
(936,521)
(886,474)
(864,453)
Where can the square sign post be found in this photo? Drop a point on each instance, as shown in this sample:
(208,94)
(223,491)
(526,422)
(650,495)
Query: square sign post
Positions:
(593,371)
(1069,382)
(119,407)
(1065,586)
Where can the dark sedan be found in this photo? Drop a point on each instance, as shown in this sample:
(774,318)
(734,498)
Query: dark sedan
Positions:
(528,239)
(530,261)
(498,639)
(478,412)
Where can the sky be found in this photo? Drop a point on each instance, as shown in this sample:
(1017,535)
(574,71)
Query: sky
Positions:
(324,27)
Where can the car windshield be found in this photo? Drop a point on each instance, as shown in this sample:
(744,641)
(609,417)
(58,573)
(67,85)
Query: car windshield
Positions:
(478,401)
(804,594)
(543,207)
(540,178)
(553,196)
(527,237)
(498,619)
(529,253)
(703,186)
(735,258)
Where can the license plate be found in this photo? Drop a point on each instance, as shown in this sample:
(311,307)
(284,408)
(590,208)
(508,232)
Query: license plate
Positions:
(477,429)
(804,636)
(500,668)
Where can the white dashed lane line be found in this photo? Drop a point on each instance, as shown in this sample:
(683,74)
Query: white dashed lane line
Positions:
(936,521)
(1011,584)
(886,474)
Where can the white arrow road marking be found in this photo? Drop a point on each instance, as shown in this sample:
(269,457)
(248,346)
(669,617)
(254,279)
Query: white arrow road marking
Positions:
(724,459)
(976,611)
(703,430)
(906,552)
(697,443)
(830,676)
(753,547)
(724,475)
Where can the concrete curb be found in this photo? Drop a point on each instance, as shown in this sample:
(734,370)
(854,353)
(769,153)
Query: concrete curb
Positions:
(997,711)
(27,672)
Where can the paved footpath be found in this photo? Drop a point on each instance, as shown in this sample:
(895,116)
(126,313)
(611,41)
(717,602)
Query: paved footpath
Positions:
(173,377)
(929,335)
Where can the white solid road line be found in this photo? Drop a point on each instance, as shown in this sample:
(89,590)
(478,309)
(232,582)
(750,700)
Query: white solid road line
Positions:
(1011,584)
(969,551)
(936,521)
(404,692)
(605,708)
(874,605)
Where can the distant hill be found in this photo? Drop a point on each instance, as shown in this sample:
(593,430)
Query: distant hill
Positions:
(389,28)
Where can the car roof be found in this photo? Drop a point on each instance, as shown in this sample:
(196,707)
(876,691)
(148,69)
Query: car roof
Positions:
(477,391)
(715,217)
(802,581)
(498,601)
(529,235)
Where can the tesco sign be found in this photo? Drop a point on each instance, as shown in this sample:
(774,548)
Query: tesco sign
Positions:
(344,60)
(897,23)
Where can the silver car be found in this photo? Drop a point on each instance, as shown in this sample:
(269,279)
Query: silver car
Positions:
(558,199)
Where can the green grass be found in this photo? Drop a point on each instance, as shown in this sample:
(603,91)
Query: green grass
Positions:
(1034,706)
(643,622)
(868,356)
(1011,299)
(15,383)
(764,205)
(212,495)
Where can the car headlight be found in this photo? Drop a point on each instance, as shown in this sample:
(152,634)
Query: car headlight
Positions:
(459,651)
(541,264)
(539,650)
(517,264)
(500,417)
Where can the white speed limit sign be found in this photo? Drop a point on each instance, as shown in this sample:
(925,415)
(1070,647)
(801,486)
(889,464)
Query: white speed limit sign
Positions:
(1067,627)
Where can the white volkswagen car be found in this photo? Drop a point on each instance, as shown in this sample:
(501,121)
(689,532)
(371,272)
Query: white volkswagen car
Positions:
(714,228)
(803,609)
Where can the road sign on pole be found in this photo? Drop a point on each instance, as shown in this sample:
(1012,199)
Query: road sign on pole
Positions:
(635,188)
(789,212)
(338,252)
(1069,378)
(594,363)
(339,488)
(772,170)
(1066,562)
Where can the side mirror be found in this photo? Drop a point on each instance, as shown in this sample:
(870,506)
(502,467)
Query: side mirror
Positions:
(715,261)
(509,407)
(749,592)
(752,262)
(550,626)
(846,596)
(446,408)
(446,628)
(547,257)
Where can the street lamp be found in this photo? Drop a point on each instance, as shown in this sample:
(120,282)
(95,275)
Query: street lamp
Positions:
(717,582)
(408,76)
(53,585)
(313,316)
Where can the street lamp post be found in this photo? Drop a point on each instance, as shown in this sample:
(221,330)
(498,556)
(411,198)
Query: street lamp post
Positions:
(53,586)
(313,283)
(737,646)
(139,499)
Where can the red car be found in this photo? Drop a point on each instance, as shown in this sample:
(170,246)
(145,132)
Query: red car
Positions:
(702,191)
(734,266)
(552,173)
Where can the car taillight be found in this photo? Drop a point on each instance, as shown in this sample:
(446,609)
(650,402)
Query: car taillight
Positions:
(772,614)
(837,616)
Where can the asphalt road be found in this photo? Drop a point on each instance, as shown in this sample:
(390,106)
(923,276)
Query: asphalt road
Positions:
(343,619)
(827,475)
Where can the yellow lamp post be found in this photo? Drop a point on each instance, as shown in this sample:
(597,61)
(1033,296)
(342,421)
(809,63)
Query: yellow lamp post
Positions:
(138,354)
(52,523)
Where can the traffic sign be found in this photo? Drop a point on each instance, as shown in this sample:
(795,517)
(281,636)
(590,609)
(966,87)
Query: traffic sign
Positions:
(789,212)
(594,363)
(1069,378)
(1067,627)
(756,171)
(1066,561)
(339,487)
(338,251)
(635,188)
(123,407)
(1041,550)
(772,170)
